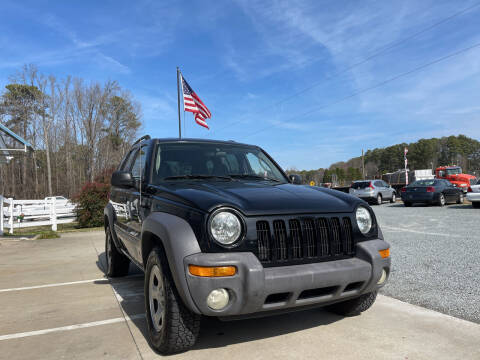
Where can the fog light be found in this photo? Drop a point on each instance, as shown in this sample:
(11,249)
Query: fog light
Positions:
(382,278)
(218,299)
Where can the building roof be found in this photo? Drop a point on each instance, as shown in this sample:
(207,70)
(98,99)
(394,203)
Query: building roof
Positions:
(7,153)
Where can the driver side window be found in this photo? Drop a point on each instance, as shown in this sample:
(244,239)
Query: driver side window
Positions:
(139,164)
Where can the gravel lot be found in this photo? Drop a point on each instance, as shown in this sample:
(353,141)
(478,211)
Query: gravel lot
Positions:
(436,256)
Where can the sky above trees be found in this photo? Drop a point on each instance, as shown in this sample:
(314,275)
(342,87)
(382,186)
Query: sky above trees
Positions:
(246,60)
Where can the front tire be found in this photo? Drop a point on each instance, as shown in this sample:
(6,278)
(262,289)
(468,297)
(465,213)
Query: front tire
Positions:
(117,263)
(441,200)
(172,327)
(354,306)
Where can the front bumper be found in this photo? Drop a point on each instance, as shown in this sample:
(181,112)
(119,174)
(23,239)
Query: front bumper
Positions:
(255,289)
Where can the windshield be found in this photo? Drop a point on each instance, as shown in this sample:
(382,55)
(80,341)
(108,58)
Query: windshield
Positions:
(176,161)
(453,171)
(424,183)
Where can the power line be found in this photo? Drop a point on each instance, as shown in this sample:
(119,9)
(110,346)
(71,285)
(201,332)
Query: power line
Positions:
(382,83)
(376,53)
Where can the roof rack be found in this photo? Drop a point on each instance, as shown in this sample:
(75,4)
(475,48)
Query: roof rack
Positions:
(144,137)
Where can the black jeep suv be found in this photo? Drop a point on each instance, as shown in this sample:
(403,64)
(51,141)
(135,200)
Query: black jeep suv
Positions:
(220,230)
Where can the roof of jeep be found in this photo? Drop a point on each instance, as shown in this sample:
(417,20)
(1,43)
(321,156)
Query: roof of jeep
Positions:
(205,141)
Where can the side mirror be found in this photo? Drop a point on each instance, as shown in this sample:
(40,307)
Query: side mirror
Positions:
(295,179)
(122,179)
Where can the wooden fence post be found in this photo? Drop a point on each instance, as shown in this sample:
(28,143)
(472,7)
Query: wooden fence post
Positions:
(11,216)
(54,214)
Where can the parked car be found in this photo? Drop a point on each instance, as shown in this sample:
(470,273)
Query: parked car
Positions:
(375,191)
(473,194)
(436,191)
(220,230)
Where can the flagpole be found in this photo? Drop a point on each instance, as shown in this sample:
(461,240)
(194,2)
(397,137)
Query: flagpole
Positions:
(178,93)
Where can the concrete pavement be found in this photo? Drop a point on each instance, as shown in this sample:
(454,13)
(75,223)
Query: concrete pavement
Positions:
(65,309)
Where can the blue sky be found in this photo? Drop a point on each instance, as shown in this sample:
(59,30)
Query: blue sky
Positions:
(244,58)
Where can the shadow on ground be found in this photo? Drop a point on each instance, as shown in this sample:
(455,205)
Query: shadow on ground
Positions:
(214,332)
(460,206)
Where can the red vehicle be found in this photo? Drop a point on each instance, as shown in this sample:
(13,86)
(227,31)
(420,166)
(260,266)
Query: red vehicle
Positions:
(455,176)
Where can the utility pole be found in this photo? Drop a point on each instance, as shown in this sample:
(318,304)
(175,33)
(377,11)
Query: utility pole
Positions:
(363,165)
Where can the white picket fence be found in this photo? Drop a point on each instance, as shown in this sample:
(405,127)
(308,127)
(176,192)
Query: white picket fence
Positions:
(26,213)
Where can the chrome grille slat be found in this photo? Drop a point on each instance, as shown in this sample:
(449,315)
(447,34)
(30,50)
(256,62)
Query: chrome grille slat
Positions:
(347,231)
(309,238)
(304,239)
(336,236)
(322,228)
(280,236)
(296,238)
(263,239)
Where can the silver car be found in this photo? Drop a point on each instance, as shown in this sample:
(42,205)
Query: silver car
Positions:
(375,191)
(473,194)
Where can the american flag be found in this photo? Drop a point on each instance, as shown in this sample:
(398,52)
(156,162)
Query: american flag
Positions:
(192,103)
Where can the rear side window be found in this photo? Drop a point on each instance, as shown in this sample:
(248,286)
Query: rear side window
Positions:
(360,184)
(378,184)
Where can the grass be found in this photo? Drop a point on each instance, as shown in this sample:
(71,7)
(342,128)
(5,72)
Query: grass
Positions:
(48,235)
(46,232)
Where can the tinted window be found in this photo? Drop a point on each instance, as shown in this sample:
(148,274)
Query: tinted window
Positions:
(474,181)
(360,184)
(426,183)
(180,159)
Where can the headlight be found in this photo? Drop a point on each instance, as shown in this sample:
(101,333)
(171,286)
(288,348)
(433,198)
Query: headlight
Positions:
(225,227)
(364,219)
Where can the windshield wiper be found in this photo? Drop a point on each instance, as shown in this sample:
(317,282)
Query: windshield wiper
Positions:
(178,177)
(247,176)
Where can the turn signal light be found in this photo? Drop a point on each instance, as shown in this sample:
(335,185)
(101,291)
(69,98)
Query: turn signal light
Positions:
(212,271)
(384,253)
(469,189)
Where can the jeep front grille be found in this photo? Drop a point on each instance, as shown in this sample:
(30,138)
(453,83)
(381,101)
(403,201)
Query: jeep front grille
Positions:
(304,239)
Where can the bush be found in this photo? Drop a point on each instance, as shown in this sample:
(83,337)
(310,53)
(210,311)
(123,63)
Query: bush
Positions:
(91,201)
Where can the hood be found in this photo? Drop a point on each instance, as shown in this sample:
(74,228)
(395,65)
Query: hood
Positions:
(257,197)
(460,178)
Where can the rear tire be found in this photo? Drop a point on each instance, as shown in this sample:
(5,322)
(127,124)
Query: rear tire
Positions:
(354,306)
(460,198)
(394,198)
(476,204)
(441,200)
(117,263)
(172,327)
(407,204)
(379,199)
